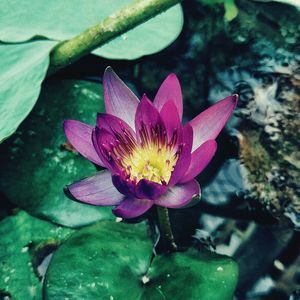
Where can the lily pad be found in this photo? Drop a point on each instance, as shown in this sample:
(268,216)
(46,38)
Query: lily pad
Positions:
(111,261)
(20,236)
(35,164)
(104,261)
(23,68)
(22,20)
(192,275)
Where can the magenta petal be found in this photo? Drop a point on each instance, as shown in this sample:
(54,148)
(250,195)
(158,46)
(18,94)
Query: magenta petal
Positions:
(179,195)
(119,100)
(80,137)
(200,159)
(148,116)
(208,124)
(132,207)
(96,190)
(103,140)
(169,114)
(113,124)
(147,189)
(169,90)
(185,157)
(123,186)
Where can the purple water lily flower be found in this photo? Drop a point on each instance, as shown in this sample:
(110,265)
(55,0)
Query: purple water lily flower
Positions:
(149,156)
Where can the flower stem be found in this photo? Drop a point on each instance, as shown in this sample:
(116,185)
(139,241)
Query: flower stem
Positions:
(165,228)
(134,14)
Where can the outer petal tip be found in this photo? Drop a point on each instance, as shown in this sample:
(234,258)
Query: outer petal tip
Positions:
(95,190)
(208,124)
(80,137)
(169,90)
(235,98)
(119,100)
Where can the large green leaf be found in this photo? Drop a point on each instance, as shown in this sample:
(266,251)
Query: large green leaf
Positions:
(111,261)
(192,275)
(21,239)
(104,261)
(23,68)
(57,20)
(34,165)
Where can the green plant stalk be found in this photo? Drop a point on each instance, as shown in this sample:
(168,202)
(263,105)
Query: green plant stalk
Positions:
(136,13)
(165,228)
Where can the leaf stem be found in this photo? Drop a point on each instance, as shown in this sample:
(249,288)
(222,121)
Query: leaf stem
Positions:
(165,228)
(136,13)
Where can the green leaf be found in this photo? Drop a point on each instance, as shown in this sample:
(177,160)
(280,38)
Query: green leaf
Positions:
(111,260)
(23,68)
(35,167)
(192,275)
(57,20)
(21,235)
(105,261)
(231,10)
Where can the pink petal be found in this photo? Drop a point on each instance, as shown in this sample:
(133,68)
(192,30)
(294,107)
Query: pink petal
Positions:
(103,140)
(169,90)
(185,157)
(132,207)
(170,116)
(113,124)
(148,116)
(96,190)
(200,159)
(179,195)
(119,100)
(208,124)
(80,137)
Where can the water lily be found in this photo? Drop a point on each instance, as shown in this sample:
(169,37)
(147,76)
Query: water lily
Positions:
(149,157)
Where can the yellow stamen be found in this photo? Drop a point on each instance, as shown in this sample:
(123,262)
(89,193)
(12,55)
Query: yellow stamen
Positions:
(150,161)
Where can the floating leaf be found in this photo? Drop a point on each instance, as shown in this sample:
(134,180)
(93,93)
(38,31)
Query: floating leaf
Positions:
(23,68)
(21,21)
(192,275)
(105,261)
(21,235)
(35,164)
(110,261)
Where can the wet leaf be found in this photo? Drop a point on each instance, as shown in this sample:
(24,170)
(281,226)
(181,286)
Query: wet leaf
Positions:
(19,235)
(36,163)
(21,21)
(23,68)
(110,261)
(105,261)
(192,275)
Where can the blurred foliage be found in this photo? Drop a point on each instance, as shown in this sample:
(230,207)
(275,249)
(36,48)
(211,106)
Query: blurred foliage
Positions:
(37,163)
(231,10)
(25,240)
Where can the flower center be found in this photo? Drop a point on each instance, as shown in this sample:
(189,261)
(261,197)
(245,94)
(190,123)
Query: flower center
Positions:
(153,157)
(150,162)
